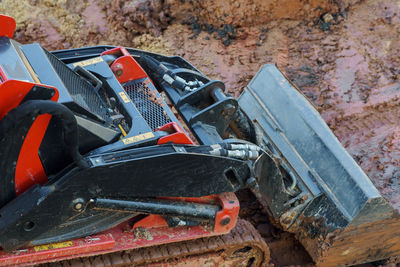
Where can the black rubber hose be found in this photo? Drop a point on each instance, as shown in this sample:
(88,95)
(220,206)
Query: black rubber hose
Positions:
(153,64)
(34,108)
(161,71)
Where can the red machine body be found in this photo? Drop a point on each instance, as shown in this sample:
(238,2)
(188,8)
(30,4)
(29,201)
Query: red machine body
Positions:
(137,232)
(29,169)
(149,231)
(7,26)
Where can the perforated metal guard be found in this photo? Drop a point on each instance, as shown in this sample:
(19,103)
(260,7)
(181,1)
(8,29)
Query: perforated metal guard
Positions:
(81,91)
(148,104)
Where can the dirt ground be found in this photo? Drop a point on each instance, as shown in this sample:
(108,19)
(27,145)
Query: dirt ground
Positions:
(344,56)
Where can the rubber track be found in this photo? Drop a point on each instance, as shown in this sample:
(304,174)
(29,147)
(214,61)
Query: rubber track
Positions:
(243,237)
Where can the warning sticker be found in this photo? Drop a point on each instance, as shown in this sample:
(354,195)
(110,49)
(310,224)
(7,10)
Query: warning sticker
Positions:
(137,138)
(124,97)
(88,62)
(53,246)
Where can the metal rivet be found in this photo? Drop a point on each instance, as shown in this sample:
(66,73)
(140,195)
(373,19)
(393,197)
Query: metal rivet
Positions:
(78,206)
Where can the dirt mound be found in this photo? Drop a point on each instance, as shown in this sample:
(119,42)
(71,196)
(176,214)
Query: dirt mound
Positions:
(66,23)
(255,12)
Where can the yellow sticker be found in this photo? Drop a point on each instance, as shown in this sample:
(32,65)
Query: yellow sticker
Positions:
(124,97)
(88,62)
(53,246)
(137,138)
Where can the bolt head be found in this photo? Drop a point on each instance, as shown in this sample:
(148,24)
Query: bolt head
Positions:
(229,109)
(225,220)
(119,72)
(78,206)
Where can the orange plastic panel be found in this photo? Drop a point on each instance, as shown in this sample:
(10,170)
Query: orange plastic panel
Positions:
(29,169)
(7,26)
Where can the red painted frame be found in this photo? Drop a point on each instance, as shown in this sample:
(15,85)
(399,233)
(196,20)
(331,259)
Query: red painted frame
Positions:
(125,67)
(7,26)
(176,135)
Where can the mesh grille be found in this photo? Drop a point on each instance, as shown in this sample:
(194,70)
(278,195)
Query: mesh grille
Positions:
(148,104)
(81,91)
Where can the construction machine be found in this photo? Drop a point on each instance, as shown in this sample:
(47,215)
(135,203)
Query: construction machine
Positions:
(113,156)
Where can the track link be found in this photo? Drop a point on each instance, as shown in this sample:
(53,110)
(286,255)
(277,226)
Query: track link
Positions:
(243,246)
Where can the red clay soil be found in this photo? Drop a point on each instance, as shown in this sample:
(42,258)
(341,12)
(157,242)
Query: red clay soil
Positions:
(344,55)
(61,24)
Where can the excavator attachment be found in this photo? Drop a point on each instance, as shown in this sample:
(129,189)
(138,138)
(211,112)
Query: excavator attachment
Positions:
(308,182)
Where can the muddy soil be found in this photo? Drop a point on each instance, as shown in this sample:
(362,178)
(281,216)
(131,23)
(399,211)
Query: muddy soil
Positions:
(344,55)
(59,24)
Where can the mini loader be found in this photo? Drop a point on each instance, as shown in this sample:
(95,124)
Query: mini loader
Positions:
(112,156)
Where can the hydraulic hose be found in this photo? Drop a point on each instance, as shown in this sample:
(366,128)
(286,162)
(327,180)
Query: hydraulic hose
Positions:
(165,74)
